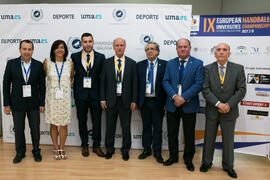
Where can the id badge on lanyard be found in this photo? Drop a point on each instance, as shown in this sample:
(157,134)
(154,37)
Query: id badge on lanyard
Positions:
(119,88)
(59,94)
(26,88)
(148,88)
(87,82)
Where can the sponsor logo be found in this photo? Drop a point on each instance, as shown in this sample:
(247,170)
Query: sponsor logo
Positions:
(119,14)
(257,113)
(253,103)
(241,50)
(10,16)
(147,16)
(63,16)
(137,136)
(264,94)
(175,18)
(146,38)
(71,134)
(44,133)
(170,42)
(91,16)
(262,89)
(74,44)
(37,14)
(14,41)
(258,78)
(103,45)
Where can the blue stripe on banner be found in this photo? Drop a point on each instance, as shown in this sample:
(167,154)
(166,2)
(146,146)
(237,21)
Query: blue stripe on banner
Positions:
(218,145)
(232,25)
(262,89)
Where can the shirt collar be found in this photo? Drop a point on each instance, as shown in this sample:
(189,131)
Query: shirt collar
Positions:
(184,59)
(122,58)
(225,65)
(84,53)
(152,61)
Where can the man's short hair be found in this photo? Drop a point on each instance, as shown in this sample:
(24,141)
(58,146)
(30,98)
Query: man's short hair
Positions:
(86,35)
(26,41)
(156,44)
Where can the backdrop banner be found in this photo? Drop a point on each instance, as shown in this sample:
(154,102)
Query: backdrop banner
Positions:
(45,23)
(248,37)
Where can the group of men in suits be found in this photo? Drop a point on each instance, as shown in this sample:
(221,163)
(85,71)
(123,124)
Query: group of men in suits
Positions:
(118,85)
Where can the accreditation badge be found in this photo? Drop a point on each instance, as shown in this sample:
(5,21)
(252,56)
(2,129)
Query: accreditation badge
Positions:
(87,82)
(148,88)
(59,94)
(119,88)
(26,90)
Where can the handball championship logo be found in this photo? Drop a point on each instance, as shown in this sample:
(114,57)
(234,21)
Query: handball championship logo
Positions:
(37,14)
(74,44)
(146,38)
(119,14)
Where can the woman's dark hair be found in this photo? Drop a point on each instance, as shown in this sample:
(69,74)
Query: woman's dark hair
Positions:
(55,45)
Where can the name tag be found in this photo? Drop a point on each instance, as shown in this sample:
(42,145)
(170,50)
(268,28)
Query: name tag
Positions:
(87,82)
(148,88)
(119,88)
(179,89)
(26,90)
(59,94)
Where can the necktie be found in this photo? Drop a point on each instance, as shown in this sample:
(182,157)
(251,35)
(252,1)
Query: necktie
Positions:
(151,76)
(221,71)
(88,59)
(181,70)
(119,73)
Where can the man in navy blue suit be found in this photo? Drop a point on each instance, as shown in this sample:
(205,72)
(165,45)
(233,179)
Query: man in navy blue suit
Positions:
(183,80)
(151,100)
(88,65)
(24,95)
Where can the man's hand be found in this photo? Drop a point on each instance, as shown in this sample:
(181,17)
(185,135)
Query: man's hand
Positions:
(133,106)
(223,108)
(103,105)
(41,109)
(7,110)
(178,100)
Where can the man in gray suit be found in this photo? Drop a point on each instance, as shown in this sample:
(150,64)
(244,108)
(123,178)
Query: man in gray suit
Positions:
(118,95)
(224,87)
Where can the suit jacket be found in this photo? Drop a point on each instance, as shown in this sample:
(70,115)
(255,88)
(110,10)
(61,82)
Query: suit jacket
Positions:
(233,91)
(108,83)
(191,86)
(80,73)
(159,91)
(13,82)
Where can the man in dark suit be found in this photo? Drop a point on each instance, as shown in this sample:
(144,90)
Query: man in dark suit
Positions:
(182,82)
(26,96)
(151,100)
(223,88)
(88,65)
(118,96)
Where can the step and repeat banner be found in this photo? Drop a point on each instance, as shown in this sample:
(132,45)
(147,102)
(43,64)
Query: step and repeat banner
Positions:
(249,40)
(45,23)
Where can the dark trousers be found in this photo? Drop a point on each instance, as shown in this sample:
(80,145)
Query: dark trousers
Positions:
(152,117)
(173,122)
(227,132)
(111,121)
(95,111)
(19,126)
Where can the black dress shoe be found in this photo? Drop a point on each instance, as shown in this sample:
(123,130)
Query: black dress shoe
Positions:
(18,158)
(108,155)
(144,155)
(158,157)
(125,156)
(231,173)
(37,157)
(85,151)
(204,167)
(190,166)
(170,161)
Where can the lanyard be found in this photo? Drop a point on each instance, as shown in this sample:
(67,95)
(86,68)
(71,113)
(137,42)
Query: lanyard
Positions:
(88,64)
(59,74)
(116,64)
(222,78)
(26,72)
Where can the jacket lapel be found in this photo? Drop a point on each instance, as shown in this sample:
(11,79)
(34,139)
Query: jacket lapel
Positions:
(158,76)
(227,74)
(187,68)
(80,61)
(215,74)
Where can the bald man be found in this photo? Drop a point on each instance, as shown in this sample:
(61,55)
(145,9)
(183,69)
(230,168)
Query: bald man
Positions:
(224,87)
(118,96)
